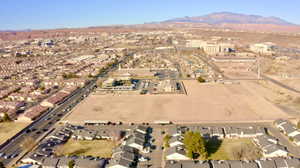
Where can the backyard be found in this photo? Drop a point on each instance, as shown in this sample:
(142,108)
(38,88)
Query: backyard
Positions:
(232,149)
(96,148)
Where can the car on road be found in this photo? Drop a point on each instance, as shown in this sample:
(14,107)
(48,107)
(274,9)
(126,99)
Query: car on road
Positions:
(2,154)
(49,118)
(7,157)
(14,155)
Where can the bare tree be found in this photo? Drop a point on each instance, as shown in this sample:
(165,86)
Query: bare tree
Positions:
(28,143)
(245,151)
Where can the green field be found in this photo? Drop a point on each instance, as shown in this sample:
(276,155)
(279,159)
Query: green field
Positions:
(96,148)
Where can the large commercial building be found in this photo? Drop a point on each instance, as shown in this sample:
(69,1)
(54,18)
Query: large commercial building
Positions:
(210,47)
(263,48)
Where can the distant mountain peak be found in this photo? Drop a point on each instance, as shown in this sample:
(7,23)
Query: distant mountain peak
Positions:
(230,17)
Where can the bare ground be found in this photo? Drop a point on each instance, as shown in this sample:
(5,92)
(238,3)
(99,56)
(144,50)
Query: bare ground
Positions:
(204,102)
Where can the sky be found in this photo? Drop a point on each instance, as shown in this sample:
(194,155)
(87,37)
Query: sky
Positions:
(49,14)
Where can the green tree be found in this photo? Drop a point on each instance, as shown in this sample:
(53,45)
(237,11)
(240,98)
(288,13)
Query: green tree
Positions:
(71,163)
(200,79)
(195,145)
(298,125)
(166,141)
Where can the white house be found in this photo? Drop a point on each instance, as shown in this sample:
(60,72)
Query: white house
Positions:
(176,141)
(274,150)
(176,153)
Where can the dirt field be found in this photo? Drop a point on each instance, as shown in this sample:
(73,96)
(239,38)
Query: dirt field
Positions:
(9,129)
(96,148)
(204,102)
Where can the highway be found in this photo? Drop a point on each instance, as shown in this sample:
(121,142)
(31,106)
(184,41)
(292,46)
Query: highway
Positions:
(43,123)
(11,150)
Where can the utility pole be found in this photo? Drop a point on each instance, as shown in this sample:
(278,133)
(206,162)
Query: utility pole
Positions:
(258,68)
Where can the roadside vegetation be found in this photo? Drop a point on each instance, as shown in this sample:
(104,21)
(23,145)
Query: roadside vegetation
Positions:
(28,143)
(70,76)
(201,79)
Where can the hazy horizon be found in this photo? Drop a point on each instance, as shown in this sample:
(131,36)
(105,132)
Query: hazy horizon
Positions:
(34,14)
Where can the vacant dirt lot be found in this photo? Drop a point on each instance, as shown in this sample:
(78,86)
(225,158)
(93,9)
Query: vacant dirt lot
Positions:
(9,129)
(204,102)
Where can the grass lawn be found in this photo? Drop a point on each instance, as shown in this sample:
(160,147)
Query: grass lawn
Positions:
(96,148)
(9,129)
(223,150)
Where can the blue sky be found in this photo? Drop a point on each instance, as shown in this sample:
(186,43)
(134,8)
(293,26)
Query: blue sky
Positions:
(44,14)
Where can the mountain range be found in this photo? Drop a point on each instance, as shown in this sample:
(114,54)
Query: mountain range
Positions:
(231,18)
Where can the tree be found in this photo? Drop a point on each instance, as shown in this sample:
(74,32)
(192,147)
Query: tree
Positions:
(1,165)
(245,152)
(200,79)
(6,118)
(298,125)
(166,141)
(28,143)
(71,163)
(195,145)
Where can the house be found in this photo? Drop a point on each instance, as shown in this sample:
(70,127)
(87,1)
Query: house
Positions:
(119,163)
(194,164)
(289,129)
(84,163)
(176,153)
(172,164)
(63,162)
(142,129)
(173,131)
(33,160)
(275,150)
(124,148)
(249,164)
(266,163)
(32,113)
(54,99)
(84,134)
(205,132)
(296,140)
(135,143)
(293,162)
(176,141)
(220,164)
(286,127)
(265,140)
(231,132)
(50,162)
(216,132)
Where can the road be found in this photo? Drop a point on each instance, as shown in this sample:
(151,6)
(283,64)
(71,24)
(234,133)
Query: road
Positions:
(280,84)
(41,125)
